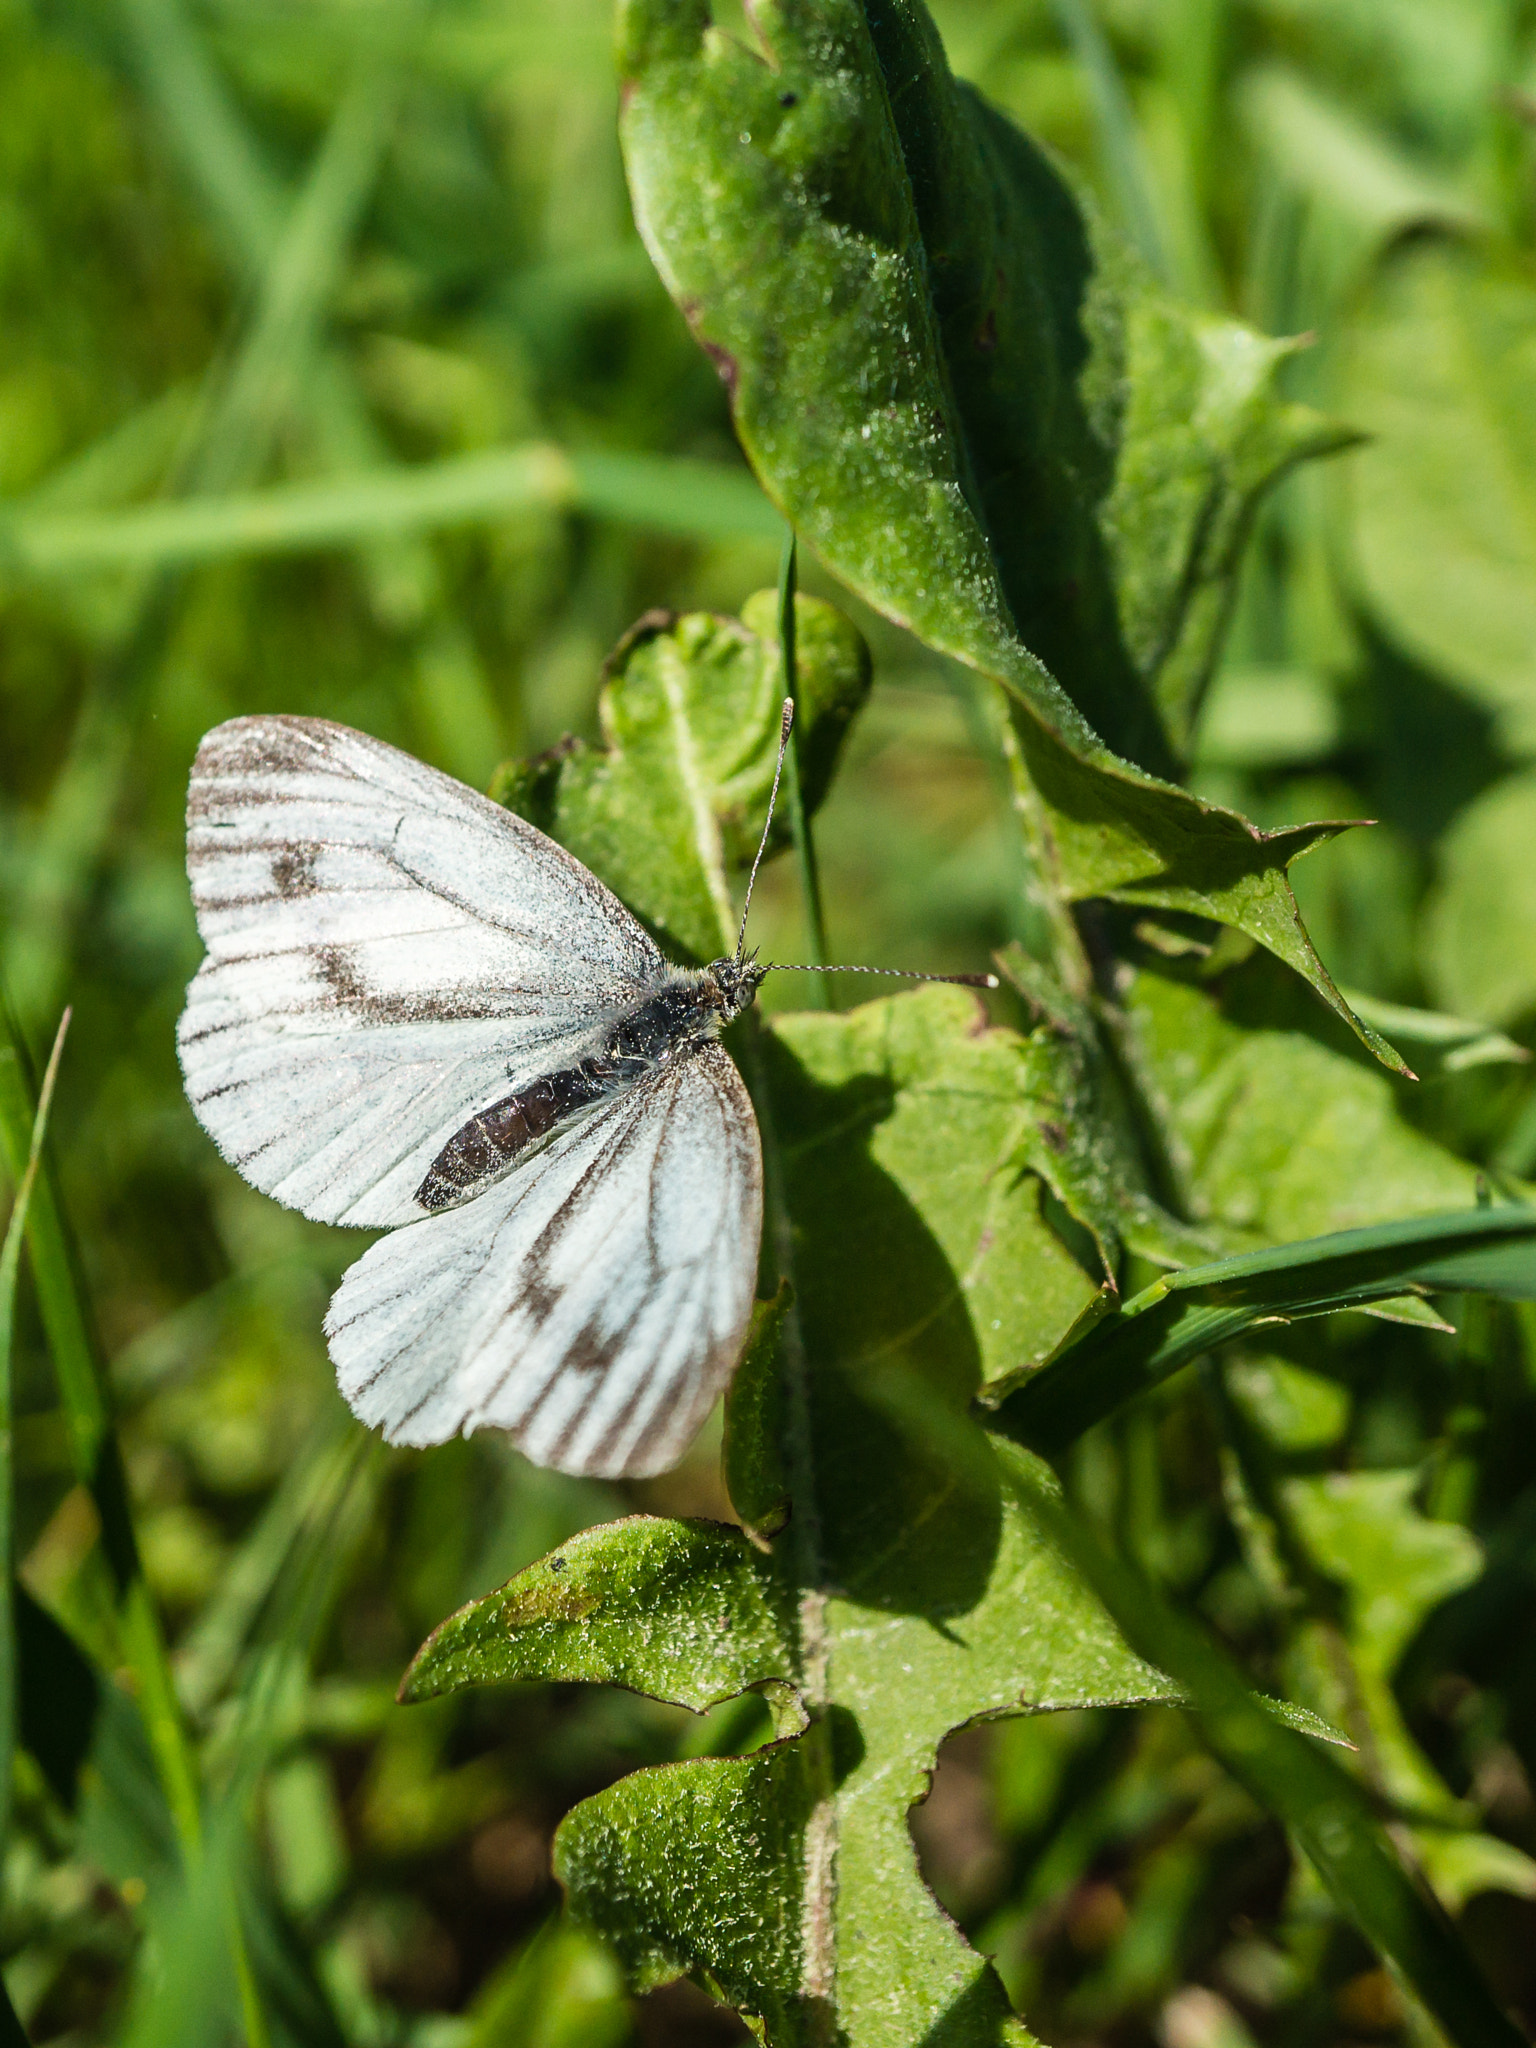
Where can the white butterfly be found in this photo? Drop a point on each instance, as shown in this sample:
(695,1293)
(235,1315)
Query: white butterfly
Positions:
(418,1010)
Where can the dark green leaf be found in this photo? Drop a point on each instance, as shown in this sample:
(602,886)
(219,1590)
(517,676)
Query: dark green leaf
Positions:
(981,414)
(683,1611)
(60,1697)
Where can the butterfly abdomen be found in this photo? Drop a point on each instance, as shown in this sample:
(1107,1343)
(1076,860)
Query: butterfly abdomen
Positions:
(684,1011)
(484,1147)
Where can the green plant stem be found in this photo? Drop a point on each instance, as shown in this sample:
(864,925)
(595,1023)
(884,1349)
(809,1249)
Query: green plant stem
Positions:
(10,1273)
(799,1552)
(799,824)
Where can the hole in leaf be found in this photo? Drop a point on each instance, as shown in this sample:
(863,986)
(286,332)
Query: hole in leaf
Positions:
(961,1856)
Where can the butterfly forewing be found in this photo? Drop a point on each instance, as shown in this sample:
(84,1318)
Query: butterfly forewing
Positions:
(388,955)
(592,1307)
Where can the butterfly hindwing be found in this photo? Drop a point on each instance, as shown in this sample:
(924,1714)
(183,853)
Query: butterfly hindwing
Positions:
(388,954)
(592,1303)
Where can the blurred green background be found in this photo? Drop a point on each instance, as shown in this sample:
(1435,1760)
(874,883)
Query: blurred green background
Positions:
(259,250)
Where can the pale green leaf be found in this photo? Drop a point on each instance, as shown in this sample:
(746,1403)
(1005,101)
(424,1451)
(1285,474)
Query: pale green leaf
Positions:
(1480,921)
(678,791)
(1283,1135)
(1438,366)
(1297,1410)
(1365,1531)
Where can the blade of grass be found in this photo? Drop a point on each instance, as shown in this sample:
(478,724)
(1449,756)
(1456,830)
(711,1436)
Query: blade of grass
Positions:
(306,1500)
(1114,122)
(240,422)
(799,824)
(250,203)
(1325,1810)
(98,1465)
(699,499)
(10,1274)
(1184,1314)
(94,1452)
(246,201)
(299,283)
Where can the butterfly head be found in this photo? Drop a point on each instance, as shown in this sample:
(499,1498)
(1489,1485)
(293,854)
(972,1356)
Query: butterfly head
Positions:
(737,980)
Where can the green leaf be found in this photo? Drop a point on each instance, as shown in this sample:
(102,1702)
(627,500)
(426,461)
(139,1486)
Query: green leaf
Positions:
(708,1865)
(1480,920)
(678,791)
(559,1990)
(1295,1409)
(691,1869)
(752,1454)
(1185,1314)
(979,411)
(682,1611)
(888,1604)
(924,1247)
(1280,1130)
(1327,1812)
(1439,366)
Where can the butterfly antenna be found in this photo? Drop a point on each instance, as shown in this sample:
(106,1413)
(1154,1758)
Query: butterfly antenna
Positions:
(762,845)
(901,973)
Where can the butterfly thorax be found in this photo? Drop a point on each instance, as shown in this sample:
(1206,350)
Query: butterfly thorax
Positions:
(685,1009)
